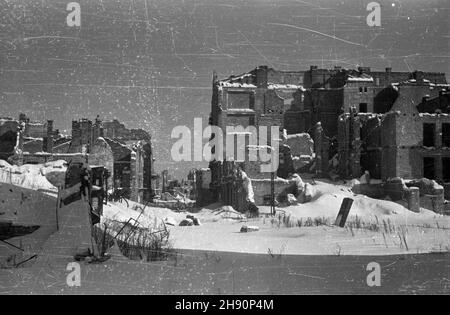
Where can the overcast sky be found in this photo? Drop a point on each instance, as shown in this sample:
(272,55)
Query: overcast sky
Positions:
(149,63)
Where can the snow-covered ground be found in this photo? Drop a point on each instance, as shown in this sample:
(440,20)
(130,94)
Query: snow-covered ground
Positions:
(328,199)
(37,177)
(220,230)
(387,227)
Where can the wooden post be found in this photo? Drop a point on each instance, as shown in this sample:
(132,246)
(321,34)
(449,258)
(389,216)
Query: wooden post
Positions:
(58,204)
(343,212)
(413,198)
(272,193)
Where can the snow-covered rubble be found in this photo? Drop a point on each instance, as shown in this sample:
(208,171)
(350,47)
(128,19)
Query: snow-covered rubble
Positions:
(40,176)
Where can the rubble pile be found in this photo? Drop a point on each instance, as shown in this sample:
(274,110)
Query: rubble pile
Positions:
(176,201)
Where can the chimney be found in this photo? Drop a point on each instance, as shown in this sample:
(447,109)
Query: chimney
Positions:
(418,76)
(48,140)
(364,69)
(388,75)
(261,76)
(22,117)
(214,77)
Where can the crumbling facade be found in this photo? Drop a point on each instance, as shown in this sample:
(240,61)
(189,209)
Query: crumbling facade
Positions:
(127,154)
(115,130)
(23,137)
(356,119)
(411,140)
(9,137)
(37,136)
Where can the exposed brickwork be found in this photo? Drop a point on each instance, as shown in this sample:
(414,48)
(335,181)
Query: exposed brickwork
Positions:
(298,100)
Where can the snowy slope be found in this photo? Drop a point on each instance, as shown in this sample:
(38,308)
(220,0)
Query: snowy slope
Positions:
(26,207)
(33,176)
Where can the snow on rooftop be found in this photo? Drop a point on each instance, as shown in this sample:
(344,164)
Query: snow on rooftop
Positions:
(241,110)
(32,139)
(236,85)
(35,124)
(7,120)
(239,77)
(237,81)
(363,78)
(275,86)
(427,82)
(33,176)
(433,115)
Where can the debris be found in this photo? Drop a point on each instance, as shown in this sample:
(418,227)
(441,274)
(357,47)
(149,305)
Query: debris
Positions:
(309,193)
(228,212)
(365,178)
(300,144)
(299,184)
(249,228)
(82,254)
(247,183)
(253,210)
(187,222)
(170,221)
(195,220)
(291,199)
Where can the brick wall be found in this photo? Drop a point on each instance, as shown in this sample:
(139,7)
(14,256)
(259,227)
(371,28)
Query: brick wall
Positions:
(101,154)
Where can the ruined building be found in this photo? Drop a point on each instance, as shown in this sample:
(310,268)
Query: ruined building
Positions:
(23,140)
(37,136)
(127,154)
(312,102)
(411,140)
(116,130)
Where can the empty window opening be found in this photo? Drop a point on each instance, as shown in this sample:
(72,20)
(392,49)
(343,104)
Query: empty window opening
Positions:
(446,135)
(428,168)
(360,89)
(365,89)
(429,131)
(446,169)
(239,100)
(363,107)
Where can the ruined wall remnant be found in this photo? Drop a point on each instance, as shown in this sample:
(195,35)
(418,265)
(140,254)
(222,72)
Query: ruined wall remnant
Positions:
(116,130)
(9,137)
(360,119)
(414,199)
(137,172)
(300,144)
(417,193)
(102,154)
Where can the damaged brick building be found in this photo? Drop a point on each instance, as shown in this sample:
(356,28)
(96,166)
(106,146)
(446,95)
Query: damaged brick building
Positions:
(126,153)
(318,102)
(262,97)
(9,137)
(411,140)
(21,139)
